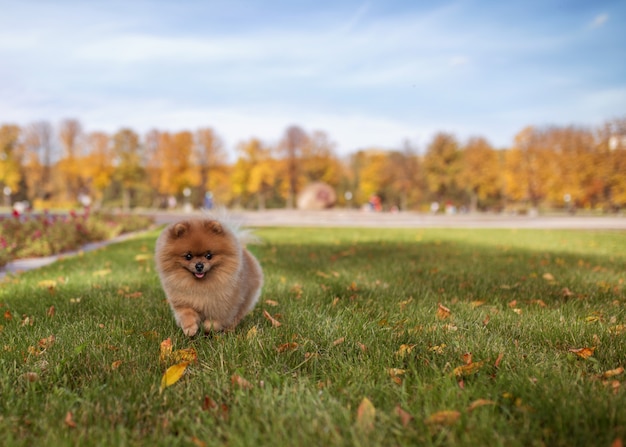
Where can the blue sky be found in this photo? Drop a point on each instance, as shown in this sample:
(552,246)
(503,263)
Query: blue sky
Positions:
(368,73)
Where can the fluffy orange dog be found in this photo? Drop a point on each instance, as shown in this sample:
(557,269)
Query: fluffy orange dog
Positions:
(211,280)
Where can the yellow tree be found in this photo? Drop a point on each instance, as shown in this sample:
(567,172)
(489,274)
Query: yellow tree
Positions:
(10,160)
(318,162)
(405,187)
(255,173)
(129,173)
(611,160)
(292,147)
(98,164)
(38,161)
(480,172)
(69,167)
(442,166)
(210,160)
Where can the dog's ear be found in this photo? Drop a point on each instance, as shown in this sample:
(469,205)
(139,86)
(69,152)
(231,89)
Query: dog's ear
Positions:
(179,229)
(213,226)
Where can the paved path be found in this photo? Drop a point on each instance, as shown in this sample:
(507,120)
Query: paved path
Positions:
(354,218)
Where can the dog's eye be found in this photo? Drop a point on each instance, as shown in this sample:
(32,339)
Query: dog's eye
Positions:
(209,256)
(188,256)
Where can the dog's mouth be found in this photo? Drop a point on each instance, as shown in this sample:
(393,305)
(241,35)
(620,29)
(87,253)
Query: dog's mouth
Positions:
(199,275)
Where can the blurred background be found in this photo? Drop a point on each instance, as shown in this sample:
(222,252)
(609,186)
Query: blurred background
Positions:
(448,106)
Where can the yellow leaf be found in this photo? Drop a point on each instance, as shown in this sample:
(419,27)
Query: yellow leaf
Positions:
(613,372)
(393,372)
(143,257)
(583,352)
(103,272)
(173,374)
(287,347)
(475,304)
(116,364)
(404,350)
(445,417)
(339,341)
(442,312)
(252,332)
(47,283)
(548,276)
(366,415)
(468,369)
(185,355)
(271,303)
(438,349)
(479,403)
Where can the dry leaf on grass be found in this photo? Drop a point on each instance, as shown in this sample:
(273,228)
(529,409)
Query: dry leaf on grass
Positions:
(405,416)
(480,403)
(445,417)
(366,415)
(443,312)
(467,370)
(237,380)
(173,374)
(274,321)
(583,352)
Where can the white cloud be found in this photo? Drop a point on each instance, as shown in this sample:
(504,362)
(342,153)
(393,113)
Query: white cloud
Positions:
(599,20)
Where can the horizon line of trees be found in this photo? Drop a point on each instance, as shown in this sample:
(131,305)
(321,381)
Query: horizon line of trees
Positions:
(550,166)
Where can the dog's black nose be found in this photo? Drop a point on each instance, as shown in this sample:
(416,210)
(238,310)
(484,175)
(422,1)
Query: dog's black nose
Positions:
(199,267)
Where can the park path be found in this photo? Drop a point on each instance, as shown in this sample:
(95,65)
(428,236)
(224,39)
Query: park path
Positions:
(355,218)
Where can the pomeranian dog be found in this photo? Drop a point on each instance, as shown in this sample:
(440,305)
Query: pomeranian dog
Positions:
(209,277)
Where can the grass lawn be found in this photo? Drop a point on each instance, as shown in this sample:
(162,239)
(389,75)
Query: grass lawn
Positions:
(395,337)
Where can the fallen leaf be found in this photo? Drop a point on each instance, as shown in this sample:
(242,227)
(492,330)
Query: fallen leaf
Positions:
(548,276)
(395,374)
(583,352)
(498,360)
(445,417)
(405,416)
(197,442)
(165,350)
(51,311)
(613,372)
(475,304)
(287,347)
(237,380)
(339,341)
(185,355)
(101,273)
(467,370)
(7,315)
(274,321)
(617,443)
(567,293)
(173,374)
(366,415)
(271,303)
(143,257)
(467,358)
(69,420)
(252,333)
(438,349)
(116,364)
(47,283)
(45,343)
(442,312)
(479,403)
(30,376)
(404,350)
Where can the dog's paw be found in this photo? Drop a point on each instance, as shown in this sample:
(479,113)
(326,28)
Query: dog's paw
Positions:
(190,330)
(212,326)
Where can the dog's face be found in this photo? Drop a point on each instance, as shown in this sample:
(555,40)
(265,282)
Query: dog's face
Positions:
(199,248)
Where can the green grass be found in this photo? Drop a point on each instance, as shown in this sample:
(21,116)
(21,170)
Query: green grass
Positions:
(348,299)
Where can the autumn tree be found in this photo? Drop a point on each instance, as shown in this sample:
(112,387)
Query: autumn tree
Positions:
(71,180)
(129,171)
(292,147)
(480,172)
(405,180)
(442,166)
(10,159)
(612,161)
(38,150)
(98,164)
(256,173)
(210,160)
(318,162)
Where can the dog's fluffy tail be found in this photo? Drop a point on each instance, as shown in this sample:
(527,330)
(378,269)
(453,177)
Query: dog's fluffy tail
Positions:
(235,225)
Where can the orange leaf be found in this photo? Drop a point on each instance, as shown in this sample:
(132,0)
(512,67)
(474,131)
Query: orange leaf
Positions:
(51,311)
(498,360)
(271,303)
(467,370)
(467,358)
(69,420)
(339,341)
(274,321)
(405,416)
(116,364)
(165,350)
(239,381)
(613,372)
(548,276)
(442,312)
(7,315)
(287,347)
(445,417)
(173,374)
(185,355)
(583,352)
(366,415)
(480,403)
